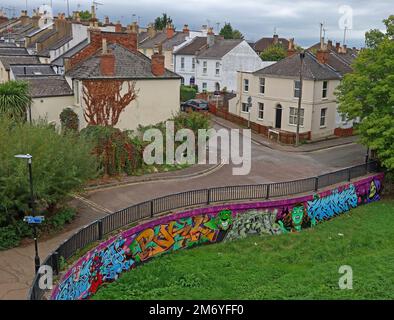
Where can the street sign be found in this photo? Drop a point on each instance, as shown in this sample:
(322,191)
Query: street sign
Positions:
(34,220)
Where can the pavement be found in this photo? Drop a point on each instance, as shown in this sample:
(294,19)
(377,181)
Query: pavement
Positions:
(268,164)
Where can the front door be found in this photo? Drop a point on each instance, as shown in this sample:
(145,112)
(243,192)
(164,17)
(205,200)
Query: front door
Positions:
(278,117)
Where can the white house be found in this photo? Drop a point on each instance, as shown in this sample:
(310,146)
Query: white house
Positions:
(212,62)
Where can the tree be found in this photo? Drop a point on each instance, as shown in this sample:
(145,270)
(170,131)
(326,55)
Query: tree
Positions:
(162,22)
(85,15)
(14,99)
(368,93)
(229,33)
(104,101)
(69,120)
(274,52)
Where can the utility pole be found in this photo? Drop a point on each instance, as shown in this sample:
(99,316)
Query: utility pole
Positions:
(344,35)
(302,56)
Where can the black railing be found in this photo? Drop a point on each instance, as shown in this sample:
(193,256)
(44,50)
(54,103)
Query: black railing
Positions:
(97,230)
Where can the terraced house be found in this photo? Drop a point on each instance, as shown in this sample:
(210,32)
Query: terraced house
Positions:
(275,92)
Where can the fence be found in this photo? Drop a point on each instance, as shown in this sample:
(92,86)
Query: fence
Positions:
(100,228)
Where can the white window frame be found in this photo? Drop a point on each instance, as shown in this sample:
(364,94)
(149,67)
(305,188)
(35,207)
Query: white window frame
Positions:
(246,85)
(217,69)
(297,89)
(293,116)
(260,114)
(325,90)
(193,63)
(204,86)
(182,63)
(205,67)
(262,86)
(323,117)
(244,106)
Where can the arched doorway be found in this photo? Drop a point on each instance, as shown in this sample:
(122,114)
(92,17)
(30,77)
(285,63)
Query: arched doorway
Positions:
(192,81)
(217,86)
(278,116)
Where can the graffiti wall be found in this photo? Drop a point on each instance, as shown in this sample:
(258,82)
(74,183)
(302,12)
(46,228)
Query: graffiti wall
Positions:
(208,225)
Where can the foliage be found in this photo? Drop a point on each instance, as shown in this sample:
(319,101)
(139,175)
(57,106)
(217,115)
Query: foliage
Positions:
(274,52)
(187,93)
(85,15)
(367,94)
(300,265)
(114,149)
(62,217)
(14,99)
(162,22)
(8,237)
(228,32)
(69,120)
(61,164)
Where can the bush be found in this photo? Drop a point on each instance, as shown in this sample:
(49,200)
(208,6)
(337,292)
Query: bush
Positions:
(188,93)
(61,165)
(8,238)
(63,217)
(69,120)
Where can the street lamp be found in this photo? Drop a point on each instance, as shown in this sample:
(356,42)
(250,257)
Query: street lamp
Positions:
(302,56)
(28,157)
(249,107)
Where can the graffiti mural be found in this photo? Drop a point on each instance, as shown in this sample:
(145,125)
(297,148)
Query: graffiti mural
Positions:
(208,225)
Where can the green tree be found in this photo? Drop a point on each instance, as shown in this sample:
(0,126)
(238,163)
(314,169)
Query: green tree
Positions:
(61,164)
(85,15)
(69,120)
(368,93)
(229,33)
(14,99)
(162,22)
(274,52)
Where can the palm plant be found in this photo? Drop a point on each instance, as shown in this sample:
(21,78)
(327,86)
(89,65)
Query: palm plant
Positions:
(14,99)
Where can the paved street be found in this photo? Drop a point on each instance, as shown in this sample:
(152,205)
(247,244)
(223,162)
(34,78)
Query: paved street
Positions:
(268,165)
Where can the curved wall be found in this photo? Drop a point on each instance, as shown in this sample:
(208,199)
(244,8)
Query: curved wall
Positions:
(208,225)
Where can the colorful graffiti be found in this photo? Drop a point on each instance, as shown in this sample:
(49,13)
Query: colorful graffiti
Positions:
(208,225)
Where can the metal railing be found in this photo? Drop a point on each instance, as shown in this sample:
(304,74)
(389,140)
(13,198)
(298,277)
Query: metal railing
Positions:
(98,229)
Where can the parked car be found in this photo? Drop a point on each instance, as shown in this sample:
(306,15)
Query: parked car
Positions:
(195,105)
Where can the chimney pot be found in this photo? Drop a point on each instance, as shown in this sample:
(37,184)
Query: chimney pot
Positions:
(118,27)
(322,56)
(107,62)
(291,49)
(170,31)
(158,64)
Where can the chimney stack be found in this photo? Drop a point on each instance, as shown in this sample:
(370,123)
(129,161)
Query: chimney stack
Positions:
(329,44)
(322,55)
(24,18)
(275,39)
(106,20)
(107,60)
(158,62)
(186,29)
(210,37)
(337,46)
(151,31)
(344,49)
(170,31)
(118,27)
(291,50)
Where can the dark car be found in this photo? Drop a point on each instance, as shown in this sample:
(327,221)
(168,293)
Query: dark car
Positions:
(195,105)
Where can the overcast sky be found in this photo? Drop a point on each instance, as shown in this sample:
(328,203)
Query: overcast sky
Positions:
(254,18)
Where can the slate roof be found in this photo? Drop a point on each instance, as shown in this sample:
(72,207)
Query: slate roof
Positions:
(176,40)
(7,45)
(59,60)
(152,42)
(48,86)
(13,51)
(31,70)
(290,68)
(264,43)
(128,65)
(8,60)
(219,49)
(190,49)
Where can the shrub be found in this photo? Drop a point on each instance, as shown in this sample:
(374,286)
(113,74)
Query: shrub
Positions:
(61,164)
(8,238)
(69,120)
(188,93)
(63,217)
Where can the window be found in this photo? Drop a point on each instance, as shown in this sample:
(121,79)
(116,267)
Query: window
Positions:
(245,107)
(293,116)
(343,117)
(323,113)
(76,91)
(182,81)
(325,86)
(182,63)
(204,86)
(261,110)
(217,68)
(204,67)
(297,87)
(193,63)
(262,85)
(246,85)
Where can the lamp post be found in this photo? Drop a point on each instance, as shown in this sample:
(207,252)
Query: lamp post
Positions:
(249,107)
(28,157)
(302,56)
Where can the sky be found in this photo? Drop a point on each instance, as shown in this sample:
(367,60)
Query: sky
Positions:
(299,19)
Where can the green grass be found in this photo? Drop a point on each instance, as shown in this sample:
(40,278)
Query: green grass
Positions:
(294,266)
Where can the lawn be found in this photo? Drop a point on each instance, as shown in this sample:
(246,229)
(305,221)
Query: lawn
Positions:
(294,266)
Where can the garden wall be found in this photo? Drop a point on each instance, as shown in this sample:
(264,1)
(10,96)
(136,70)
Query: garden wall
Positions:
(205,226)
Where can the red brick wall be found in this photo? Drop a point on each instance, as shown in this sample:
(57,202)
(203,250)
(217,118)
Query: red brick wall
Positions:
(158,64)
(341,132)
